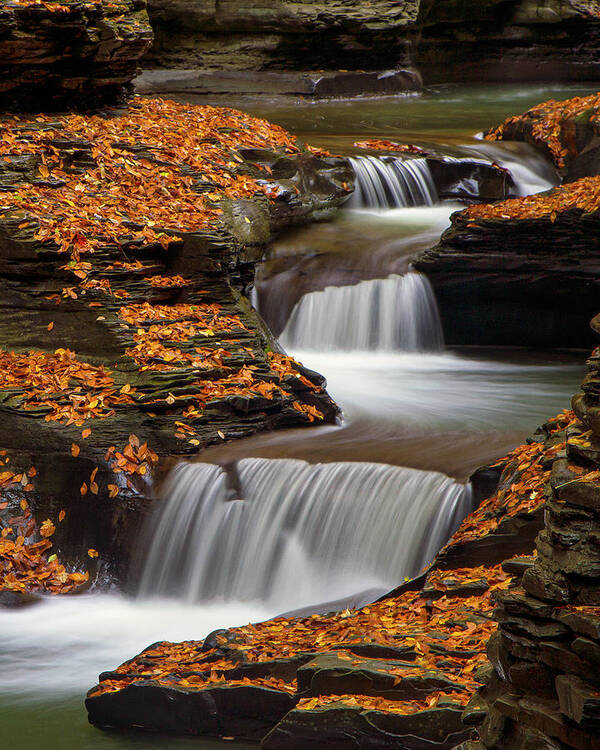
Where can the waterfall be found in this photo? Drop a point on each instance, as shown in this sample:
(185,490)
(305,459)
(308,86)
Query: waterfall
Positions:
(298,533)
(391,182)
(397,313)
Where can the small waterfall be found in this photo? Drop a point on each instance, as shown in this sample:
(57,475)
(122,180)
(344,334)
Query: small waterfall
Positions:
(391,182)
(299,533)
(397,313)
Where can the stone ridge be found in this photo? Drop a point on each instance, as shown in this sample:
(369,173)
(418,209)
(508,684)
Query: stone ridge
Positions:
(127,241)
(70,53)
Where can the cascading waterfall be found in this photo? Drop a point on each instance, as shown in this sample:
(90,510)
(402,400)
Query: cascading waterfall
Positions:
(391,182)
(397,313)
(299,533)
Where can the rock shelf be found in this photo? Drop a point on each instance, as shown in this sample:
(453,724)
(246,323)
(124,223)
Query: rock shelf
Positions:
(527,259)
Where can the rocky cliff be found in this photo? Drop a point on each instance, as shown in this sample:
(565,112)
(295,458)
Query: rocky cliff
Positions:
(504,40)
(62,54)
(542,689)
(281,34)
(127,240)
(447,39)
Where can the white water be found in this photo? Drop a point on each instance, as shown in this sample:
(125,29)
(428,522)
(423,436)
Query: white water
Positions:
(298,534)
(391,182)
(443,391)
(397,313)
(531,172)
(62,644)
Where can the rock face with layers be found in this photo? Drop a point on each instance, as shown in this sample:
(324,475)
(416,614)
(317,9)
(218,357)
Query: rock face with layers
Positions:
(525,271)
(127,241)
(544,688)
(396,673)
(490,39)
(519,40)
(61,54)
(281,34)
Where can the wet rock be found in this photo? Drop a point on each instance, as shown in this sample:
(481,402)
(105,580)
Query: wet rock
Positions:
(578,701)
(340,674)
(345,725)
(246,712)
(322,84)
(515,269)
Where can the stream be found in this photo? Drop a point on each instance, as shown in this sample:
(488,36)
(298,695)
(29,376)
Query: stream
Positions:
(298,519)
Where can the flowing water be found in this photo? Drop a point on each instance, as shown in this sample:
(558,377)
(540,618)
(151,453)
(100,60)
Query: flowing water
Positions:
(395,313)
(301,517)
(391,182)
(334,529)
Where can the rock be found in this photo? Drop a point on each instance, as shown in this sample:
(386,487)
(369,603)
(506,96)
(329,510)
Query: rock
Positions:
(518,40)
(241,711)
(345,724)
(578,701)
(54,55)
(280,34)
(338,674)
(521,261)
(318,84)
(566,132)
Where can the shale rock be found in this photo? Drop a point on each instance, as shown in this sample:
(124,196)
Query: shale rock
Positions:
(546,653)
(499,40)
(61,54)
(523,262)
(281,34)
(112,328)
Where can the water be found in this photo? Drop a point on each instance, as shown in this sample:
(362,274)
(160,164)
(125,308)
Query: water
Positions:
(399,312)
(441,412)
(297,534)
(391,182)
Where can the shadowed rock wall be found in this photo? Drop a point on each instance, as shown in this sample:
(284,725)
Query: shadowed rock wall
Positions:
(63,54)
(281,34)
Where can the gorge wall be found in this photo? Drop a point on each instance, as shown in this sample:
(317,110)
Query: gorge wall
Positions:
(58,54)
(446,39)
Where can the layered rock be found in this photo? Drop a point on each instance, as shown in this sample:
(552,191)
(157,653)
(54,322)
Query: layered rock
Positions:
(281,34)
(395,673)
(523,271)
(544,690)
(126,243)
(518,40)
(496,39)
(61,54)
